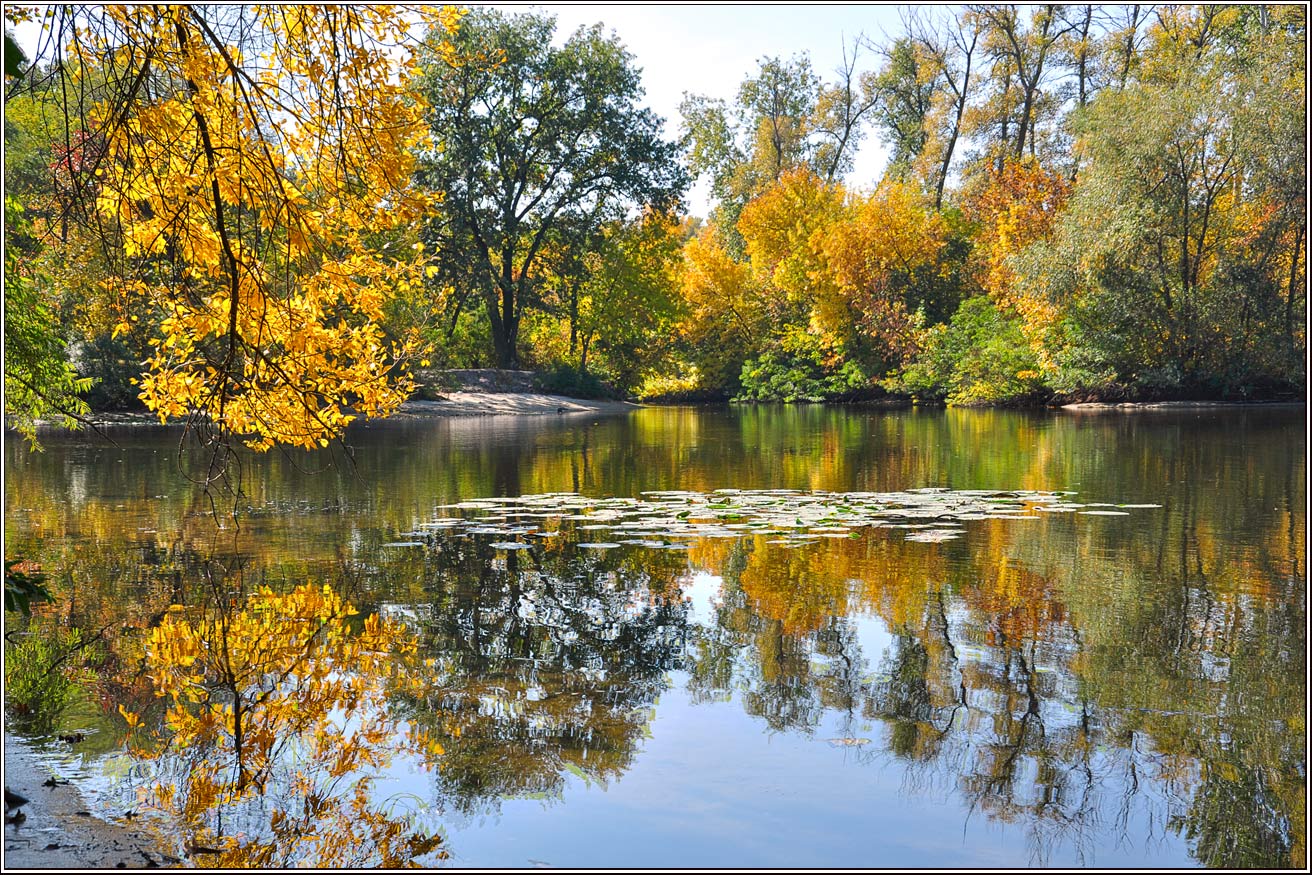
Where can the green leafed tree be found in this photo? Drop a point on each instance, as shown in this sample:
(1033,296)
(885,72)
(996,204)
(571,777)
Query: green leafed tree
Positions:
(535,136)
(905,90)
(39,380)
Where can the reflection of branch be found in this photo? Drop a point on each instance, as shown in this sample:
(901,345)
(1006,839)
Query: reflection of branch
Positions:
(79,646)
(947,639)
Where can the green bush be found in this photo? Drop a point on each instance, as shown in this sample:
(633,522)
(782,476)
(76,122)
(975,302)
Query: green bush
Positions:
(797,370)
(980,357)
(775,376)
(567,380)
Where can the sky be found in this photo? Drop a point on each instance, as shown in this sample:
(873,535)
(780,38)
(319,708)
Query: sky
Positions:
(711,49)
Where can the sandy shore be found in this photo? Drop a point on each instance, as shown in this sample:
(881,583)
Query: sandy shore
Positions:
(509,404)
(58,832)
(1132,406)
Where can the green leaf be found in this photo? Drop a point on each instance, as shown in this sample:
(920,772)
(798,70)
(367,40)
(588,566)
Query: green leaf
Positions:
(14,57)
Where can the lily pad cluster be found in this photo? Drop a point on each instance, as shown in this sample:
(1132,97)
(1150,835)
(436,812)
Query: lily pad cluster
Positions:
(669,519)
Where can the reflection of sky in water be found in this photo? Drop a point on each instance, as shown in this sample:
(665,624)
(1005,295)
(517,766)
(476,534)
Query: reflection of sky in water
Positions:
(702,591)
(872,635)
(708,788)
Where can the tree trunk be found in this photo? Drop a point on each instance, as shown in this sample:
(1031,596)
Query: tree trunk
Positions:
(1293,284)
(962,97)
(504,331)
(573,318)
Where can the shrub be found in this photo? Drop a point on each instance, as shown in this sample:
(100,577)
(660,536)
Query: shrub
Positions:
(800,368)
(981,356)
(563,379)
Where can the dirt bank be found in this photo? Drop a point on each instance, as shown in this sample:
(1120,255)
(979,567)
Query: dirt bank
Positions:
(58,831)
(463,403)
(1133,406)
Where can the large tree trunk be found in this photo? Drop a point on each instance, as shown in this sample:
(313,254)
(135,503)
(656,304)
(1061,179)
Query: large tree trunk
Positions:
(505,341)
(505,327)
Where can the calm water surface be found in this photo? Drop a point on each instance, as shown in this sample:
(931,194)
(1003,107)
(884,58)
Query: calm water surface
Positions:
(1064,690)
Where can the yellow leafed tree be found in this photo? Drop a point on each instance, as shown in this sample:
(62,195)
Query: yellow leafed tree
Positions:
(251,169)
(887,244)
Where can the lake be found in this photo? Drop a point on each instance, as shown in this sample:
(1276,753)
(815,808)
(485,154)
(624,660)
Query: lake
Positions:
(989,638)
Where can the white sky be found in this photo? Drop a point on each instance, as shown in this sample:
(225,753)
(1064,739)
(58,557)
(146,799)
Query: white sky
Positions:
(711,49)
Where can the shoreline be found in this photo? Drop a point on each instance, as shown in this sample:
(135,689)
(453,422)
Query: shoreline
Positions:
(472,403)
(1134,406)
(60,832)
(458,404)
(475,404)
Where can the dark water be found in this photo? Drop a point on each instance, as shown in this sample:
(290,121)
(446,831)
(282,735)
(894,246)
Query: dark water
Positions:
(1065,690)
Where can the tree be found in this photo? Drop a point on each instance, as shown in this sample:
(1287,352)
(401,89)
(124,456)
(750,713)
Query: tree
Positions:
(626,299)
(1014,207)
(950,56)
(1184,241)
(906,88)
(726,310)
(39,381)
(775,111)
(784,118)
(841,113)
(248,173)
(1023,58)
(535,136)
(880,264)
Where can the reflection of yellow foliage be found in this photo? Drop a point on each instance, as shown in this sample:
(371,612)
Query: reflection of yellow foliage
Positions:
(803,587)
(1019,603)
(281,699)
(799,587)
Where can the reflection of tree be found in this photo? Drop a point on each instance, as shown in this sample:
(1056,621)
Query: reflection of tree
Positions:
(902,697)
(549,661)
(1070,693)
(1237,820)
(275,730)
(1074,676)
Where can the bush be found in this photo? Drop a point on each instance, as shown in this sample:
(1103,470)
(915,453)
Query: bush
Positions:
(776,376)
(563,379)
(981,356)
(801,368)
(675,387)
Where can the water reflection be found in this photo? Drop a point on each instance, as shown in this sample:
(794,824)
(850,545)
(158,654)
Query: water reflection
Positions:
(1088,684)
(549,661)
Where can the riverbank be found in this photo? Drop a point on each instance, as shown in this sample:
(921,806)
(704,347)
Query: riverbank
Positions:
(1135,406)
(476,403)
(494,402)
(450,404)
(57,831)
